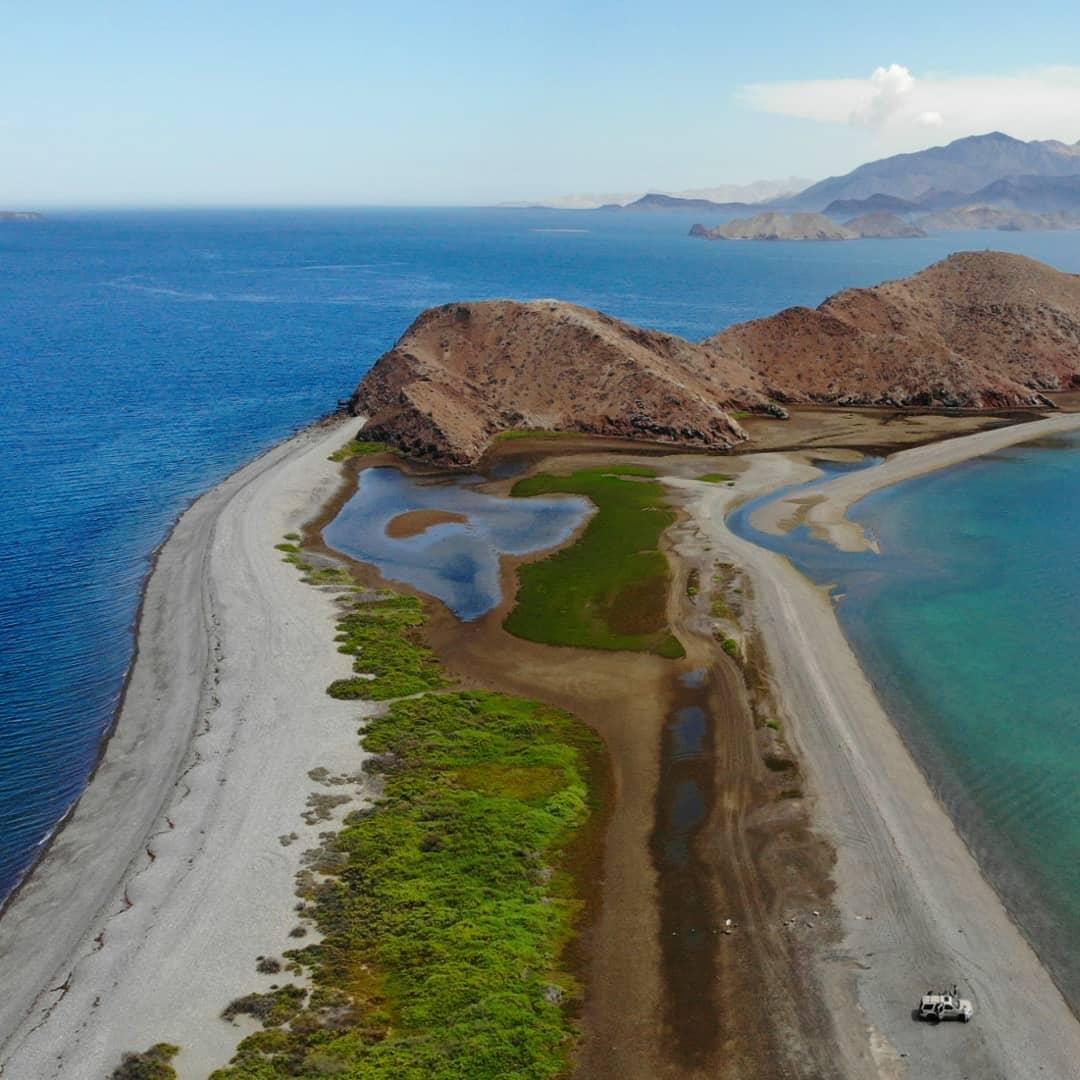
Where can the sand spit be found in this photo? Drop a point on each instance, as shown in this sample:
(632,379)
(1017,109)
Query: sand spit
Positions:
(171,877)
(916,909)
(826,508)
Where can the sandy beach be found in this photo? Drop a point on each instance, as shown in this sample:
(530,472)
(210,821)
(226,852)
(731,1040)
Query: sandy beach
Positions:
(175,872)
(825,510)
(916,909)
(147,914)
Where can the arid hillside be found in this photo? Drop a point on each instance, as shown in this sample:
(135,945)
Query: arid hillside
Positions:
(978,330)
(464,372)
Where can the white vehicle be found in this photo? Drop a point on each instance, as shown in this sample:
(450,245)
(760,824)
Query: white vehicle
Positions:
(946,1005)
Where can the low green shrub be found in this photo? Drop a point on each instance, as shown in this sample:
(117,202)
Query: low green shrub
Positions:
(153,1064)
(384,637)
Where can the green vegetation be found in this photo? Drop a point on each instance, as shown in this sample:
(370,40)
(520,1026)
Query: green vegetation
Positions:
(693,583)
(741,414)
(716,478)
(384,636)
(731,647)
(445,922)
(324,575)
(609,589)
(154,1064)
(533,433)
(357,448)
(329,575)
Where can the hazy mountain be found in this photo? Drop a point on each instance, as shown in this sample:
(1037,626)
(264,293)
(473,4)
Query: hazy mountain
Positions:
(996,217)
(966,165)
(876,204)
(653,202)
(756,192)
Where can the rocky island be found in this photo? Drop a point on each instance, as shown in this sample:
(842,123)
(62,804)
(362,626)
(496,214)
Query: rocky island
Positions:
(20,215)
(773,226)
(879,224)
(979,330)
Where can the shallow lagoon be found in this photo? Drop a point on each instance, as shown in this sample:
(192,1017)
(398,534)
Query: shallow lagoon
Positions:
(456,562)
(967,625)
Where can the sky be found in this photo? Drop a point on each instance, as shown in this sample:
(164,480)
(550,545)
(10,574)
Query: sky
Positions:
(434,103)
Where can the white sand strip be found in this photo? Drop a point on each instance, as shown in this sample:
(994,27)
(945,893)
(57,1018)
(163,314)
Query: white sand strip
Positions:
(145,918)
(825,508)
(917,911)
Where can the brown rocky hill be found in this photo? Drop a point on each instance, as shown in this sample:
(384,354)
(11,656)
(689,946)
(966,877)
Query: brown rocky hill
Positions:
(464,372)
(977,330)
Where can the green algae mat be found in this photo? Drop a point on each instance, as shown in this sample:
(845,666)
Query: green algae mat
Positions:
(609,589)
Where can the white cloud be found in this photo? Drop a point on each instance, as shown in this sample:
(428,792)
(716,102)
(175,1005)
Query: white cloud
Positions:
(890,88)
(1039,104)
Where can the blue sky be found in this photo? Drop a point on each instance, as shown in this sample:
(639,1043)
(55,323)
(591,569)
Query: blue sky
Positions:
(423,102)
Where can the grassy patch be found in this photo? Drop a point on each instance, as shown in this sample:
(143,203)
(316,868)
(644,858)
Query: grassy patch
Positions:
(153,1064)
(533,433)
(384,636)
(731,647)
(357,448)
(741,414)
(444,927)
(715,478)
(608,590)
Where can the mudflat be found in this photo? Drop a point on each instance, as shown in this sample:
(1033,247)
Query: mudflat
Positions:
(415,522)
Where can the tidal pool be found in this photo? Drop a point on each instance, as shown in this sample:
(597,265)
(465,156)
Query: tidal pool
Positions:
(457,562)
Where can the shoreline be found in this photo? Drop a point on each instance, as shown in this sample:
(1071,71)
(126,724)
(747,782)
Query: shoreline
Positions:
(916,907)
(825,511)
(149,946)
(154,556)
(210,793)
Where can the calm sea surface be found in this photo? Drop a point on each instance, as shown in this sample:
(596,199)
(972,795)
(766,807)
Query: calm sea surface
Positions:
(144,356)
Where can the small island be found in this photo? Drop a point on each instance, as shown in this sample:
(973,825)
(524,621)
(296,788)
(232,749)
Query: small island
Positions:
(879,225)
(21,215)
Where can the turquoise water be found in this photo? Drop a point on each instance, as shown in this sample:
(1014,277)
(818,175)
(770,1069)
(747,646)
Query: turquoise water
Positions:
(458,562)
(973,639)
(968,624)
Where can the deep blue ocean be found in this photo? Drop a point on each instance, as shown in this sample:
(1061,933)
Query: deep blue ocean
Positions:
(146,355)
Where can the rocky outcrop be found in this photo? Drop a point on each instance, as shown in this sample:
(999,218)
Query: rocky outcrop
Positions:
(773,226)
(883,226)
(464,372)
(978,330)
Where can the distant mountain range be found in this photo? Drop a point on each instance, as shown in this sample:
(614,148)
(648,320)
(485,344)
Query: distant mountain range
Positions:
(747,194)
(966,165)
(1039,178)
